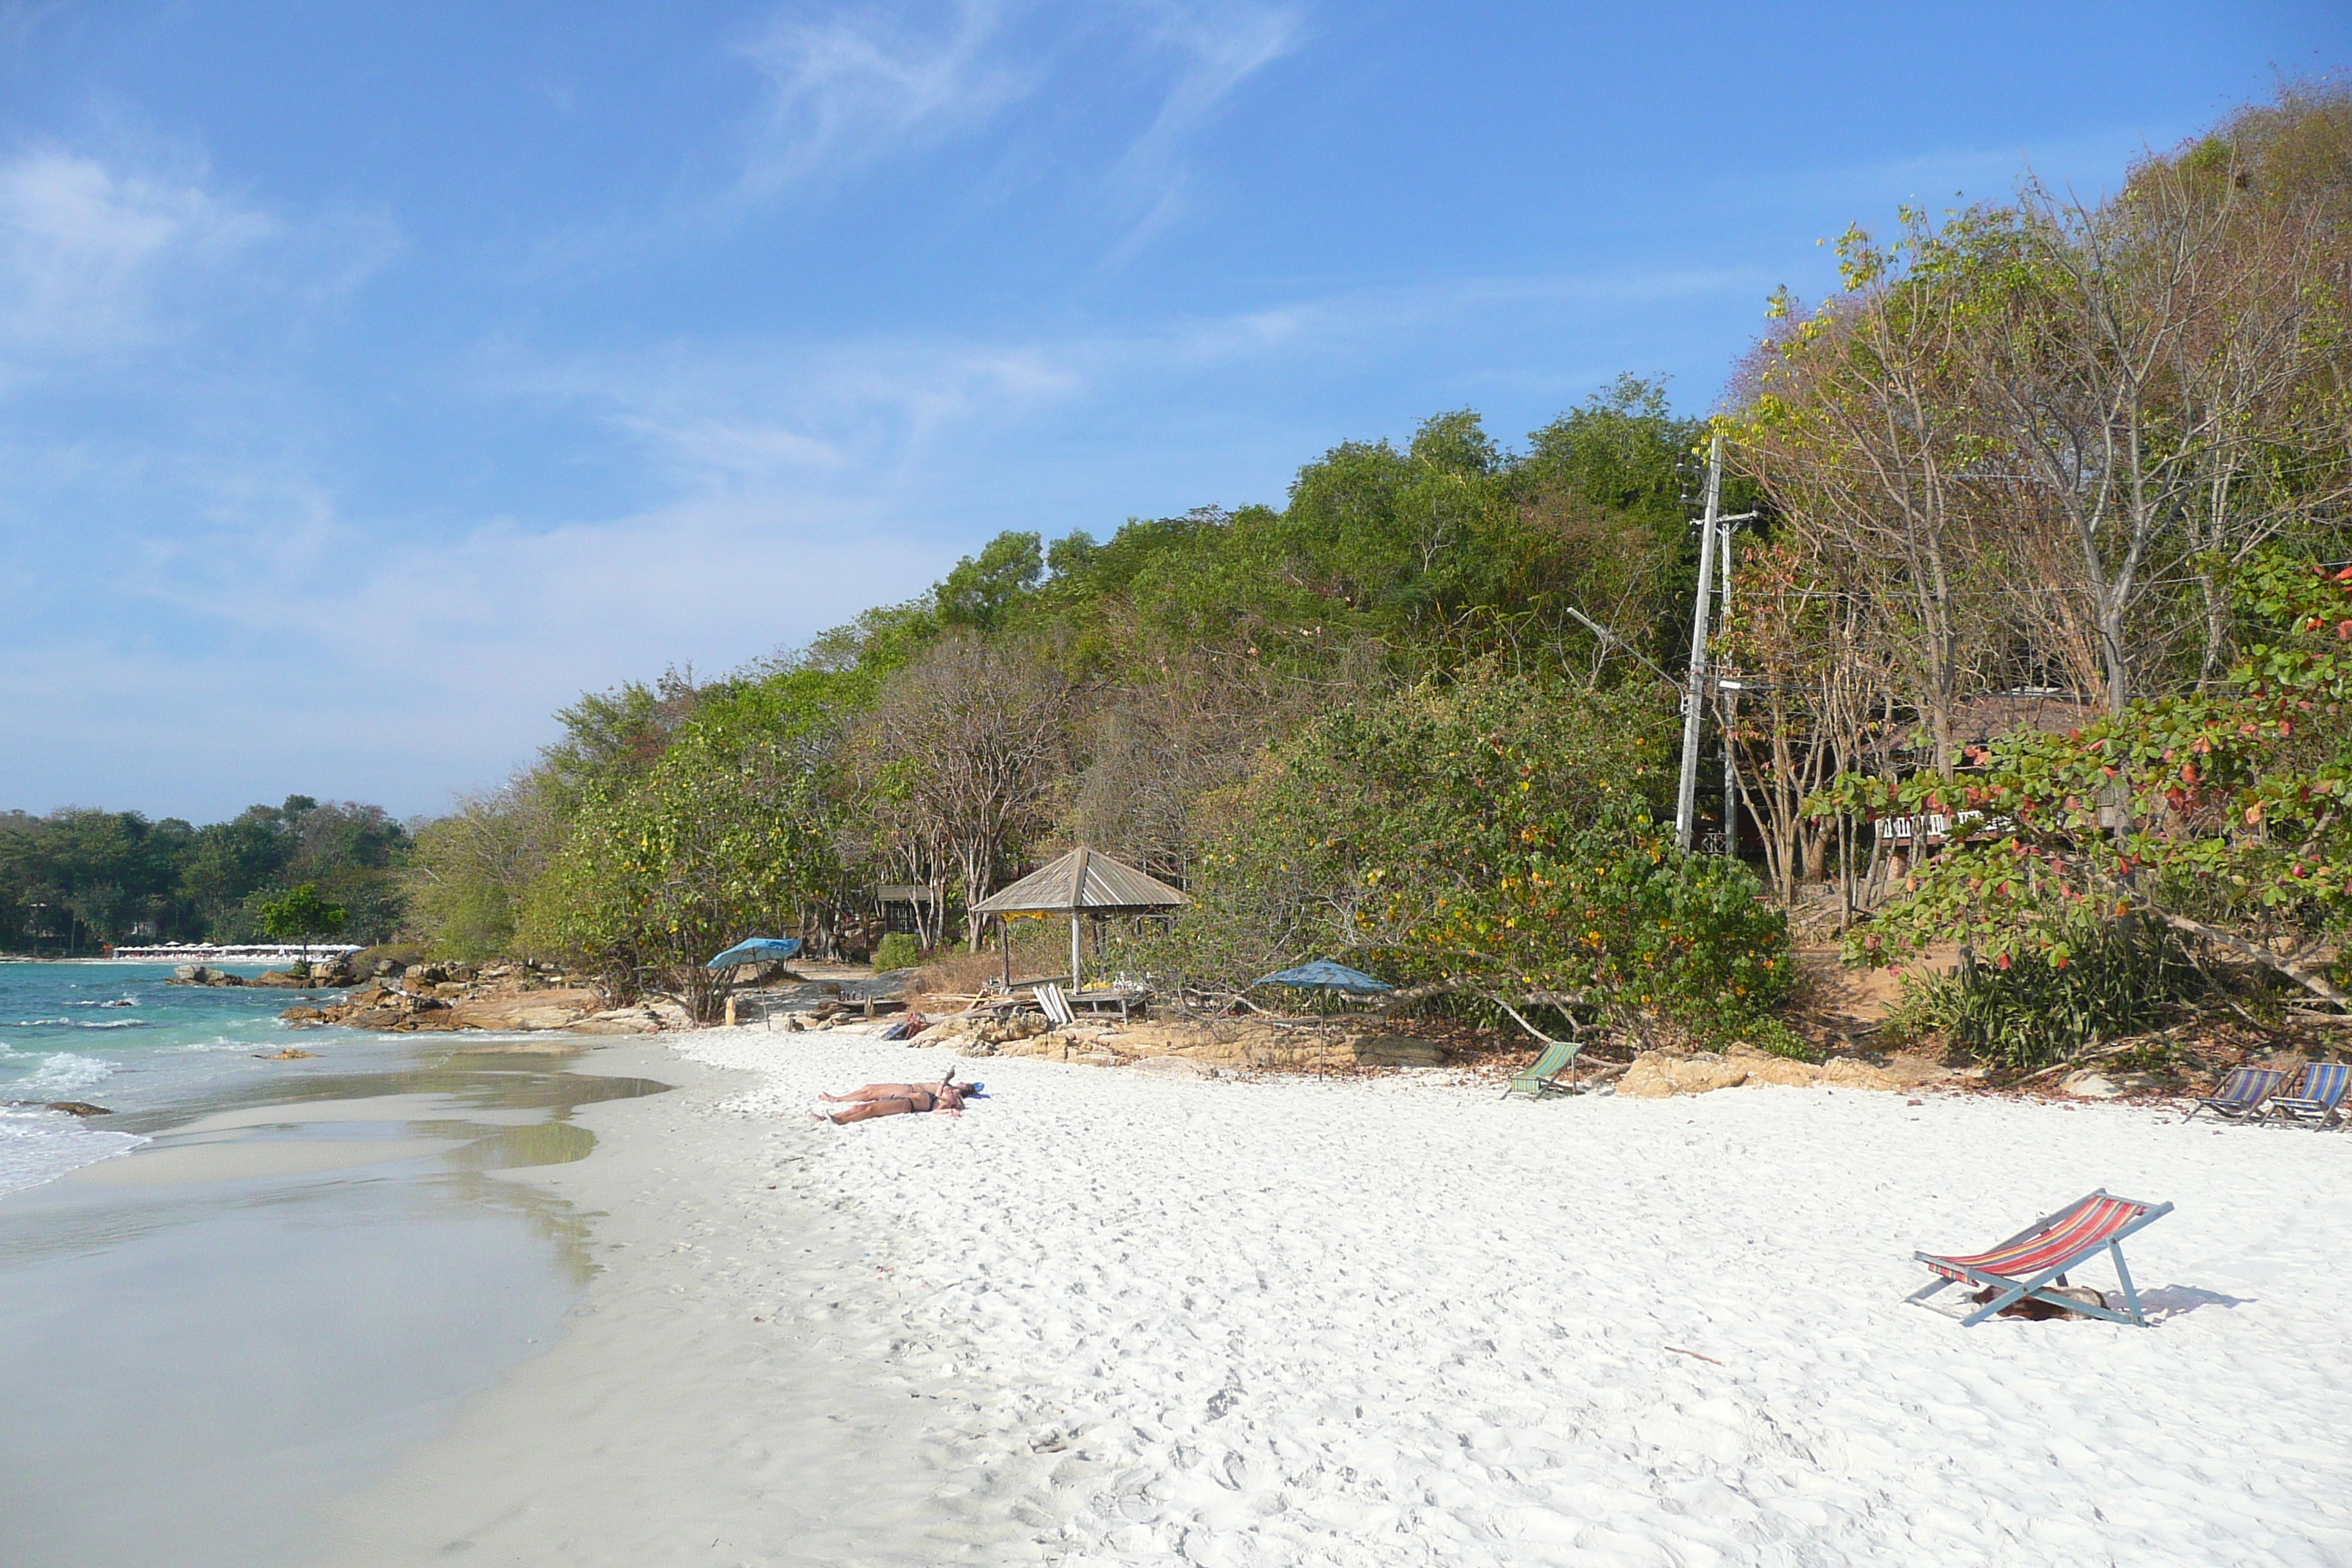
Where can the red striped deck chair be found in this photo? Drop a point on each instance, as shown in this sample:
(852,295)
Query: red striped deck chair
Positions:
(2038,1256)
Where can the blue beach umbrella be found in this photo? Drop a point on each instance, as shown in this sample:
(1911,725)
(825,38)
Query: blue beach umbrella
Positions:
(1322,974)
(758,950)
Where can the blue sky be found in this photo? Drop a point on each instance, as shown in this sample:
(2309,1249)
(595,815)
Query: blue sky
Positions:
(374,378)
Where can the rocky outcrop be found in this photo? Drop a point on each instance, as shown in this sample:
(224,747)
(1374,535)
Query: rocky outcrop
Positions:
(417,995)
(645,1018)
(427,1001)
(328,976)
(1210,1044)
(2091,1083)
(1763,1069)
(1657,1075)
(1852,1072)
(976,1036)
(379,1008)
(526,1011)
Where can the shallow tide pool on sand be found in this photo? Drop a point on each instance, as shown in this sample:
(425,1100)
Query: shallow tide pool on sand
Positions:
(298,1273)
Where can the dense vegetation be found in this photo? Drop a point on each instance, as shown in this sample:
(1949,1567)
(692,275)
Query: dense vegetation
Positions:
(1234,701)
(2035,459)
(76,878)
(2105,452)
(2089,452)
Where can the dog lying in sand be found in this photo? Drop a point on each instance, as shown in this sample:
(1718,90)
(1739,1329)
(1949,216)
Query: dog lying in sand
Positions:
(898,1100)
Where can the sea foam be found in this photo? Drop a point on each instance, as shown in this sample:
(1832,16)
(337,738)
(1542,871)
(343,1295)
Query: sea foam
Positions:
(38,1146)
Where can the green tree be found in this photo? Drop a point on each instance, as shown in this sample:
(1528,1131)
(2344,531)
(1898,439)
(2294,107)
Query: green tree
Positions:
(1493,837)
(2219,817)
(470,870)
(980,588)
(300,913)
(717,842)
(617,735)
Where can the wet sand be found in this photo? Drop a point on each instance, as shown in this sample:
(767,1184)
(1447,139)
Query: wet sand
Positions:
(730,1390)
(205,1339)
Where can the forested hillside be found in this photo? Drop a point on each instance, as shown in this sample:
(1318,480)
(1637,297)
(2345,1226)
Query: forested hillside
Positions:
(2035,459)
(2052,506)
(78,879)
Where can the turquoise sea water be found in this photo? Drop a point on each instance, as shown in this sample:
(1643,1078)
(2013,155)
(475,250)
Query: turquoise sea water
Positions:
(120,1036)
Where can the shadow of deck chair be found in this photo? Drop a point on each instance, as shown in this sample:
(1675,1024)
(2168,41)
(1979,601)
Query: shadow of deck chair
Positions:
(2317,1096)
(1057,1005)
(2241,1093)
(2038,1256)
(1542,1077)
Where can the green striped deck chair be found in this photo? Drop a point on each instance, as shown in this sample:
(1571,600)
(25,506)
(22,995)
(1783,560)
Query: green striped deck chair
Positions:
(1542,1074)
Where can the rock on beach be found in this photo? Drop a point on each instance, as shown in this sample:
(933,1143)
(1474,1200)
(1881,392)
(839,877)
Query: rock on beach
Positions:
(1213,1043)
(1658,1075)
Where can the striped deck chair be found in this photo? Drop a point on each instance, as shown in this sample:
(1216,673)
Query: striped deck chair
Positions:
(2241,1093)
(2317,1096)
(1542,1074)
(2038,1256)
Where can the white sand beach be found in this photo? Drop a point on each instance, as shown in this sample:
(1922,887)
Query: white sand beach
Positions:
(1397,1321)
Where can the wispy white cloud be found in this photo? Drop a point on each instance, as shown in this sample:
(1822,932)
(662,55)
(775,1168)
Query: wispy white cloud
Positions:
(97,258)
(886,428)
(848,89)
(84,250)
(785,485)
(273,641)
(1219,47)
(733,417)
(845,90)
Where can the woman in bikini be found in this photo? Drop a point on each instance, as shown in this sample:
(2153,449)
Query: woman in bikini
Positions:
(896,1100)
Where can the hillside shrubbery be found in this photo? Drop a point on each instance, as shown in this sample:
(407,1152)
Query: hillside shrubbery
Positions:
(2037,450)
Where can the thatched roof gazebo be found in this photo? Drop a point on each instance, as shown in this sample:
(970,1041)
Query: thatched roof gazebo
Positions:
(1083,882)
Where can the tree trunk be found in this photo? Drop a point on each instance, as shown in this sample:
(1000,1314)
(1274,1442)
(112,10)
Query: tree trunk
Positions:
(1817,854)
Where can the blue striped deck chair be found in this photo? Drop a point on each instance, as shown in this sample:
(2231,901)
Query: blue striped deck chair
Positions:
(1542,1074)
(2241,1093)
(2038,1256)
(2317,1095)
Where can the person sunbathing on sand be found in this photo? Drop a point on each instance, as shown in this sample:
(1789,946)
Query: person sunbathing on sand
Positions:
(896,1100)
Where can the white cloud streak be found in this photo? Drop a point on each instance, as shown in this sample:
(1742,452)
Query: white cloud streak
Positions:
(223,589)
(1222,47)
(97,260)
(849,89)
(84,250)
(858,86)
